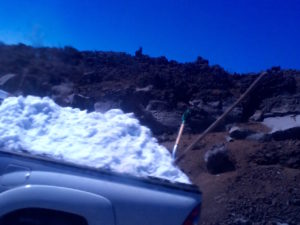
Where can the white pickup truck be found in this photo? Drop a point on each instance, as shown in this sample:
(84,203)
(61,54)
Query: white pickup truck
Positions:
(42,191)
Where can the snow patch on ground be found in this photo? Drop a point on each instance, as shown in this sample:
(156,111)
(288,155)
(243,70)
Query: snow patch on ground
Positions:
(282,123)
(111,140)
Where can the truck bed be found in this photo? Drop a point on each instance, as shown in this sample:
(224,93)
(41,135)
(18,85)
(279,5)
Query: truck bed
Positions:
(46,163)
(158,201)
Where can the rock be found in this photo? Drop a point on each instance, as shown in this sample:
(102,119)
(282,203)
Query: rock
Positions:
(157,105)
(147,119)
(9,82)
(104,106)
(292,133)
(242,221)
(287,155)
(239,133)
(229,139)
(281,105)
(259,137)
(213,108)
(163,138)
(218,161)
(63,89)
(235,115)
(30,85)
(144,89)
(170,120)
(3,94)
(4,79)
(284,127)
(205,113)
(90,78)
(82,102)
(182,106)
(199,120)
(293,162)
(295,201)
(62,94)
(257,116)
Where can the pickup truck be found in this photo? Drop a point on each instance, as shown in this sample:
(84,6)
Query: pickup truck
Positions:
(37,190)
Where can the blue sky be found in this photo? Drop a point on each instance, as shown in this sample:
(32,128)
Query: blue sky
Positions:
(239,35)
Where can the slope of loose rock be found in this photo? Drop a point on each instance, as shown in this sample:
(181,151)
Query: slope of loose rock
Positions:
(262,186)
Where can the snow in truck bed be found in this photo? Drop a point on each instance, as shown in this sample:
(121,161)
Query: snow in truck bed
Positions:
(112,140)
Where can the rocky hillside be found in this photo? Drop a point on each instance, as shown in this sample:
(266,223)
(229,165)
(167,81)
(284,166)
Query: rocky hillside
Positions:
(248,168)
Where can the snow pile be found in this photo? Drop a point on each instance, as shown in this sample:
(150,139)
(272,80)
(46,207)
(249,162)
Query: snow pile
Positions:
(113,140)
(282,123)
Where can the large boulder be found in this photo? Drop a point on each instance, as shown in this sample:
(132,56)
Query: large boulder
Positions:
(218,160)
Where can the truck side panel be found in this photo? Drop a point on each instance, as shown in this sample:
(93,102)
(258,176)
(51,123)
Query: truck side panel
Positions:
(94,208)
(131,201)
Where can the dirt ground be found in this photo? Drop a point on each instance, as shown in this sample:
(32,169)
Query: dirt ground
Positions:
(259,190)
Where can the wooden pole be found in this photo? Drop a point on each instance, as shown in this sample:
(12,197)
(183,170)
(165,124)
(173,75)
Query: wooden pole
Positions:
(212,126)
(183,118)
(177,140)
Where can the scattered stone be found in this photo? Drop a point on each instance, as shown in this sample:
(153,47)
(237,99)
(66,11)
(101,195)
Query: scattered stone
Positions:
(287,155)
(242,221)
(211,110)
(257,116)
(163,138)
(157,105)
(295,201)
(239,133)
(82,102)
(9,82)
(281,105)
(170,120)
(104,106)
(229,139)
(235,115)
(3,95)
(159,112)
(144,89)
(4,79)
(259,137)
(90,78)
(218,161)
